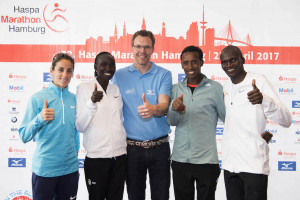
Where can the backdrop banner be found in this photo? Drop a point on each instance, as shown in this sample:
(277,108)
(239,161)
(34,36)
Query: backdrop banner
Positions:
(267,32)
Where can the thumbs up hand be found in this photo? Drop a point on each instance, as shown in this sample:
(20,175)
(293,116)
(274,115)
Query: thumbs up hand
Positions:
(255,96)
(47,113)
(146,110)
(178,105)
(97,95)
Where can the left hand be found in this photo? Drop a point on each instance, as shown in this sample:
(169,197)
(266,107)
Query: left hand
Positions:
(146,110)
(255,96)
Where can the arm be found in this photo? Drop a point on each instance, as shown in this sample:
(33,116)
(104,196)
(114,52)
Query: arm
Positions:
(32,121)
(85,108)
(173,116)
(221,104)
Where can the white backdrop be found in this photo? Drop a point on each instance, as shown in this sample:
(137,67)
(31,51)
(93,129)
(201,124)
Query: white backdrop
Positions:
(32,31)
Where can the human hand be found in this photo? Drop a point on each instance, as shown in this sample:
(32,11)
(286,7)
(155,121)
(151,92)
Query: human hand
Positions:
(178,105)
(97,95)
(267,136)
(146,110)
(255,96)
(47,113)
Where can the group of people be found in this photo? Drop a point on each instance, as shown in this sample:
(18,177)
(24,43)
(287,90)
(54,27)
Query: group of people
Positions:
(125,118)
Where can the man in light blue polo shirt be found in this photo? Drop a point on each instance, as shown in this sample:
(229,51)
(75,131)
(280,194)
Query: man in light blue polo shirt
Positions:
(145,89)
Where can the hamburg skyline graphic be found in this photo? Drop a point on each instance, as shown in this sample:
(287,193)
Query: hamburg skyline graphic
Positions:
(167,48)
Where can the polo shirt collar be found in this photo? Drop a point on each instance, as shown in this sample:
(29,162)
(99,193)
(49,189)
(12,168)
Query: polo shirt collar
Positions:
(153,69)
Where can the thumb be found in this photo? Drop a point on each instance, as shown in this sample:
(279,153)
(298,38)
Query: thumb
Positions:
(144,98)
(95,86)
(181,97)
(253,84)
(45,103)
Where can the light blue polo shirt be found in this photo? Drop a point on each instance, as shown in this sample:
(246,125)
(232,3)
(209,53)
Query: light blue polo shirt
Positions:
(132,85)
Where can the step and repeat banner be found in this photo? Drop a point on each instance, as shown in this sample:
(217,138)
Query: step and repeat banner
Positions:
(268,33)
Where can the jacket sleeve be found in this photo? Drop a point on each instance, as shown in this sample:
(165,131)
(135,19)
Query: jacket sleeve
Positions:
(85,108)
(273,107)
(32,121)
(173,116)
(220,104)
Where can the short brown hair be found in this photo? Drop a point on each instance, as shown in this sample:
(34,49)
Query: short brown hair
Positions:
(143,33)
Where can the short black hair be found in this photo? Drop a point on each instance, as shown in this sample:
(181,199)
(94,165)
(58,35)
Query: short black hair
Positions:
(192,49)
(236,49)
(143,33)
(101,54)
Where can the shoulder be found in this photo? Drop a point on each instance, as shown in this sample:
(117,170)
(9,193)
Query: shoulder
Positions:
(214,84)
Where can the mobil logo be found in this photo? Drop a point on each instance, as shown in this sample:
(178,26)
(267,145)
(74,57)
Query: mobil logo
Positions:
(180,77)
(15,87)
(286,90)
(219,131)
(273,131)
(295,104)
(286,165)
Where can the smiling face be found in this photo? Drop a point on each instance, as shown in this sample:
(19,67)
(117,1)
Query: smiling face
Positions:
(105,67)
(191,64)
(232,62)
(62,73)
(142,50)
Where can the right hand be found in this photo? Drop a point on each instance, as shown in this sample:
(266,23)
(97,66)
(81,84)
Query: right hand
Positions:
(267,136)
(178,105)
(97,95)
(47,113)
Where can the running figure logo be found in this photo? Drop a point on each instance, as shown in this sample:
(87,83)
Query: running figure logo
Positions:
(54,17)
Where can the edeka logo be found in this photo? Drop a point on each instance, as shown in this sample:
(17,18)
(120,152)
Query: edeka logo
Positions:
(16,162)
(219,131)
(295,104)
(15,88)
(81,163)
(55,17)
(19,195)
(286,90)
(286,165)
(180,77)
(47,77)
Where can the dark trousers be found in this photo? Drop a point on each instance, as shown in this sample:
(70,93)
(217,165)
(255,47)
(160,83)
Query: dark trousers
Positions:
(156,161)
(105,177)
(186,174)
(58,188)
(245,186)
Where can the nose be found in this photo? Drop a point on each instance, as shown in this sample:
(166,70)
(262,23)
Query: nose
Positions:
(65,73)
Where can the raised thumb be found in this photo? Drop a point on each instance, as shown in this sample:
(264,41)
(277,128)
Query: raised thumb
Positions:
(45,103)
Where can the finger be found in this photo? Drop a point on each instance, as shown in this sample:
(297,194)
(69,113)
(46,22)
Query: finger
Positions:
(144,98)
(181,97)
(45,103)
(95,87)
(253,84)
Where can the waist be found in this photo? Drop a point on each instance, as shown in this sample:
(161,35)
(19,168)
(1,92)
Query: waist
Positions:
(148,143)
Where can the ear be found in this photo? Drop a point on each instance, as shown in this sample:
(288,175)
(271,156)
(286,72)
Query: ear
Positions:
(201,63)
(51,71)
(243,60)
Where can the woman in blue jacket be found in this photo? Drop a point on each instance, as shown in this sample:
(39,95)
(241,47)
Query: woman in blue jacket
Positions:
(50,119)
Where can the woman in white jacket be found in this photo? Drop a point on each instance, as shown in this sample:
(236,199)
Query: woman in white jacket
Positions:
(99,118)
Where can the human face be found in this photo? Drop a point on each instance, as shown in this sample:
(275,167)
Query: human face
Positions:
(142,50)
(62,73)
(191,64)
(105,67)
(232,64)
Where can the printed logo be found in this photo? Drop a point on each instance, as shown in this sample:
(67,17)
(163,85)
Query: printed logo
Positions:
(16,162)
(47,77)
(219,131)
(150,92)
(273,141)
(81,163)
(180,77)
(15,88)
(220,164)
(130,91)
(240,91)
(287,79)
(14,119)
(72,107)
(13,101)
(17,76)
(287,154)
(84,77)
(286,165)
(54,15)
(13,111)
(295,104)
(286,90)
(19,195)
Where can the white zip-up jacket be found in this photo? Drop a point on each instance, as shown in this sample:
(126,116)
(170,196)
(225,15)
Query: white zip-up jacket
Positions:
(101,123)
(243,148)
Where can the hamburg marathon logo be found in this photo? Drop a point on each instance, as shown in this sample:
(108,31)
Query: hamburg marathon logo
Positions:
(55,17)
